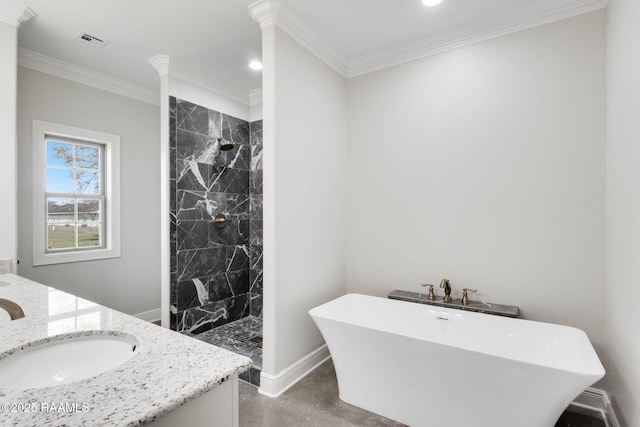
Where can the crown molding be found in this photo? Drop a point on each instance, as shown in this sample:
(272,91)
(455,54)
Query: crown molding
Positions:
(161,64)
(195,76)
(273,12)
(55,67)
(512,21)
(300,32)
(264,12)
(255,97)
(16,13)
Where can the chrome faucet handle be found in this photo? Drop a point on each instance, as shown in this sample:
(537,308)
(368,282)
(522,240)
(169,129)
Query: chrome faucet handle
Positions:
(465,298)
(432,295)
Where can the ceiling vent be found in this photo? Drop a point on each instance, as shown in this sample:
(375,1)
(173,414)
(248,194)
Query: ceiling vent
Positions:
(93,41)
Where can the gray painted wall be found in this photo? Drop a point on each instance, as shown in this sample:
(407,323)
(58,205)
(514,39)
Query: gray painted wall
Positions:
(130,283)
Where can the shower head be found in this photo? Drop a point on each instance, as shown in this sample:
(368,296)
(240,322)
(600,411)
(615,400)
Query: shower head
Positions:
(224,145)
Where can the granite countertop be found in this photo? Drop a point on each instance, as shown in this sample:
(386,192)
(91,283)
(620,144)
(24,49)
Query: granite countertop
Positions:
(168,370)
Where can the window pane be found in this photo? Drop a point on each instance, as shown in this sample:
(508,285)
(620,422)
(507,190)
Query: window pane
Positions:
(87,182)
(89,211)
(59,180)
(88,236)
(59,154)
(61,236)
(60,211)
(87,157)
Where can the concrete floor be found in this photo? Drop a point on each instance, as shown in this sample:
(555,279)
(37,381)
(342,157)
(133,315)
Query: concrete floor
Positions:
(314,402)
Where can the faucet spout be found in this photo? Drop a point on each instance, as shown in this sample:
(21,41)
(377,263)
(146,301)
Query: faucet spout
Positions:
(444,283)
(14,310)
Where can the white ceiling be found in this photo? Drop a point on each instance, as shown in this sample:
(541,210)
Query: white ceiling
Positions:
(218,37)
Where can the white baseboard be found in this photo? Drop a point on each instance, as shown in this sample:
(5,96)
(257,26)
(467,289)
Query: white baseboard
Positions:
(597,400)
(149,316)
(275,385)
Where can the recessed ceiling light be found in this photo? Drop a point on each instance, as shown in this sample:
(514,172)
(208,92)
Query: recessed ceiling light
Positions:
(255,65)
(431,2)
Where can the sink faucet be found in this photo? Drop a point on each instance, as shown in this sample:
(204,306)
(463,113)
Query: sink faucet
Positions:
(447,290)
(14,310)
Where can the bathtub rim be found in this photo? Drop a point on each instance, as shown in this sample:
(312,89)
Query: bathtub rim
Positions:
(598,372)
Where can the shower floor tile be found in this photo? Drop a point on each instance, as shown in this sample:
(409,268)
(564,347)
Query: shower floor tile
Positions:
(243,337)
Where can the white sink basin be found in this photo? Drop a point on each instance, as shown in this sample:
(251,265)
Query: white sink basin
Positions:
(65,360)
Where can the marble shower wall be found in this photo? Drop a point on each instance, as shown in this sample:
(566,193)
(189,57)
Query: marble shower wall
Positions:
(255,215)
(215,277)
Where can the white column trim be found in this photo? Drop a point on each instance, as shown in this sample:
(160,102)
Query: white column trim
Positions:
(161,64)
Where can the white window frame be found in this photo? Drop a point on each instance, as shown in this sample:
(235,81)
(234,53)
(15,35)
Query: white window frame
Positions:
(111,206)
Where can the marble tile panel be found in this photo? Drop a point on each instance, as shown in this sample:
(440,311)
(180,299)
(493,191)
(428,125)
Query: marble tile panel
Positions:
(227,180)
(255,185)
(219,287)
(238,206)
(172,194)
(237,258)
(192,117)
(172,225)
(172,163)
(198,205)
(173,134)
(256,157)
(238,307)
(255,253)
(255,210)
(239,157)
(252,376)
(173,292)
(255,286)
(192,293)
(192,234)
(192,175)
(255,129)
(203,318)
(200,263)
(195,147)
(256,232)
(234,129)
(215,123)
(197,320)
(172,107)
(235,232)
(173,321)
(256,305)
(173,247)
(226,285)
(238,281)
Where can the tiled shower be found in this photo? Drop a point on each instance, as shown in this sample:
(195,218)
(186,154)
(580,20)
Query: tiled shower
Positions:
(216,273)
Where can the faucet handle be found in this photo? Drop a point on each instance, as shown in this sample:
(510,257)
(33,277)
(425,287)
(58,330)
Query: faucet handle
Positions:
(465,298)
(432,295)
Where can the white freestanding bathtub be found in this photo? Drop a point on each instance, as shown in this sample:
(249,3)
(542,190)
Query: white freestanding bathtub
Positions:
(423,365)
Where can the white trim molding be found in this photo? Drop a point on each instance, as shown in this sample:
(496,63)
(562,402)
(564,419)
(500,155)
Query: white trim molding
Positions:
(264,12)
(111,142)
(255,97)
(511,21)
(161,64)
(595,400)
(149,316)
(55,67)
(271,12)
(275,385)
(16,13)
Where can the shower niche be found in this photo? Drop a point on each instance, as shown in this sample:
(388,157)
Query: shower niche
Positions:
(216,229)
